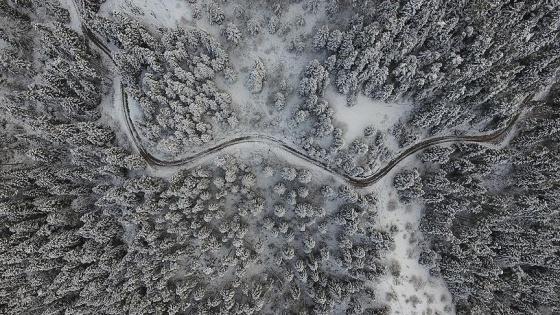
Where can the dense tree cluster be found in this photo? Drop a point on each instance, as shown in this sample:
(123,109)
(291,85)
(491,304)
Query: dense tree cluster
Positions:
(465,62)
(57,249)
(172,77)
(492,219)
(219,245)
(86,227)
(409,185)
(365,154)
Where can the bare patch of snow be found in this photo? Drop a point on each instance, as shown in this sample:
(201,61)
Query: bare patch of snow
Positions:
(366,112)
(75,21)
(407,286)
(112,114)
(4,44)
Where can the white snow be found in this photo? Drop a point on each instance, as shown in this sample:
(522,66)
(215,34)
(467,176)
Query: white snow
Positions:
(4,44)
(542,93)
(134,109)
(75,22)
(366,112)
(112,113)
(414,282)
(281,64)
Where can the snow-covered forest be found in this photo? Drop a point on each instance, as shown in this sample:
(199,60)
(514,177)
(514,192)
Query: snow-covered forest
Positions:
(279,157)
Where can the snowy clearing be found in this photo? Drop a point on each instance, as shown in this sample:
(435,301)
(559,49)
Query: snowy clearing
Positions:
(366,112)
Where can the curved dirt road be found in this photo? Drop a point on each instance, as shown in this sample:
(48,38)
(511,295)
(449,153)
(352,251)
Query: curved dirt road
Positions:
(273,142)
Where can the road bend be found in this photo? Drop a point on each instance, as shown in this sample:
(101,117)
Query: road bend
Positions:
(270,141)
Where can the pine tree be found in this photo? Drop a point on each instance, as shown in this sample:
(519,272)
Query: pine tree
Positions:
(233,34)
(257,76)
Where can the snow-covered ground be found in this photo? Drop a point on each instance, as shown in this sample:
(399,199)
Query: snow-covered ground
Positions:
(74,17)
(4,44)
(409,288)
(112,113)
(366,112)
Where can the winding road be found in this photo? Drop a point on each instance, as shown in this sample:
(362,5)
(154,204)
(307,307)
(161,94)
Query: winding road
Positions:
(278,143)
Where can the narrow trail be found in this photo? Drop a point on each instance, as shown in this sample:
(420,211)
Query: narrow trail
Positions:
(278,143)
